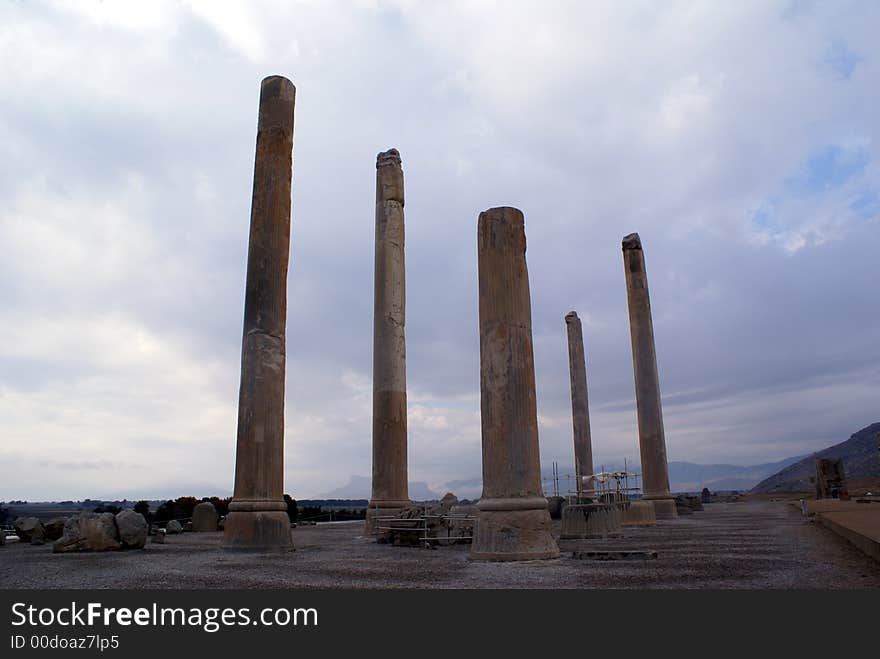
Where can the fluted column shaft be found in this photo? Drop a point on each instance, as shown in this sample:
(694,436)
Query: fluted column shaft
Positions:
(390,488)
(652,439)
(257,517)
(580,408)
(513,522)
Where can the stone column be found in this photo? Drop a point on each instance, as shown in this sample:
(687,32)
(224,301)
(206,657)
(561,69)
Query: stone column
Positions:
(257,514)
(390,489)
(513,522)
(580,409)
(652,441)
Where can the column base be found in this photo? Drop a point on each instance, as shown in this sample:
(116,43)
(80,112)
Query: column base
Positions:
(664,508)
(584,521)
(637,513)
(261,530)
(513,535)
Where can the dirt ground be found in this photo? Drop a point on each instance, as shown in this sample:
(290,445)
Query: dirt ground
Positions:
(752,544)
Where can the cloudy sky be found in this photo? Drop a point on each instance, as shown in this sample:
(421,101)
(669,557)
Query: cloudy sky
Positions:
(739,140)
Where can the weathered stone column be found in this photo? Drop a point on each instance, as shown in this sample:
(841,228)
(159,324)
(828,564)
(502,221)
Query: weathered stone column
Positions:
(257,514)
(652,440)
(513,522)
(390,488)
(580,408)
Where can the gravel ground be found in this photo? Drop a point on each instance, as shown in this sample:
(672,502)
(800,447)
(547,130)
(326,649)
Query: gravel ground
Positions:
(729,545)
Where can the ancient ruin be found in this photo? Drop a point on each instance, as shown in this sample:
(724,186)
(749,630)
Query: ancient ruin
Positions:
(204,518)
(637,513)
(513,522)
(652,440)
(591,520)
(580,409)
(390,488)
(102,532)
(258,514)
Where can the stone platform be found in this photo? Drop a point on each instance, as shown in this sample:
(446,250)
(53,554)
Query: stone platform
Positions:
(856,521)
(861,527)
(729,545)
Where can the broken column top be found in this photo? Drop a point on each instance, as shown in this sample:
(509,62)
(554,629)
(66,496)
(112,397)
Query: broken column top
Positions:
(277,96)
(508,213)
(502,228)
(571,316)
(389,177)
(389,157)
(632,241)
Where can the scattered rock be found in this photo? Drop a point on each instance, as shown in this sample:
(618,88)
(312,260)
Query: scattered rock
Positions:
(204,517)
(555,506)
(132,529)
(27,528)
(685,505)
(411,523)
(54,528)
(89,532)
(173,527)
(448,500)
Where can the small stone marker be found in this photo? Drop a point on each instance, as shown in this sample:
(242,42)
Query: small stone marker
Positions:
(204,518)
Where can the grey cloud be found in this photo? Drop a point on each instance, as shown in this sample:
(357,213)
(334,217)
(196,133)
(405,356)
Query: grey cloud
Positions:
(618,121)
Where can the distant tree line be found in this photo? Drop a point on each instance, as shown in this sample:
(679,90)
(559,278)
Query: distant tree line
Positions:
(182,508)
(179,508)
(108,508)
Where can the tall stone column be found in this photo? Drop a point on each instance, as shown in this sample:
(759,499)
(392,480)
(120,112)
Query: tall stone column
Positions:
(257,514)
(580,408)
(652,440)
(513,522)
(390,489)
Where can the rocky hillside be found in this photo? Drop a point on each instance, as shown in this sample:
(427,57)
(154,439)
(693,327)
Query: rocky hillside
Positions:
(861,459)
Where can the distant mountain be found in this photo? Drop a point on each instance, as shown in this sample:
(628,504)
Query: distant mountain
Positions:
(690,477)
(861,459)
(359,487)
(683,477)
